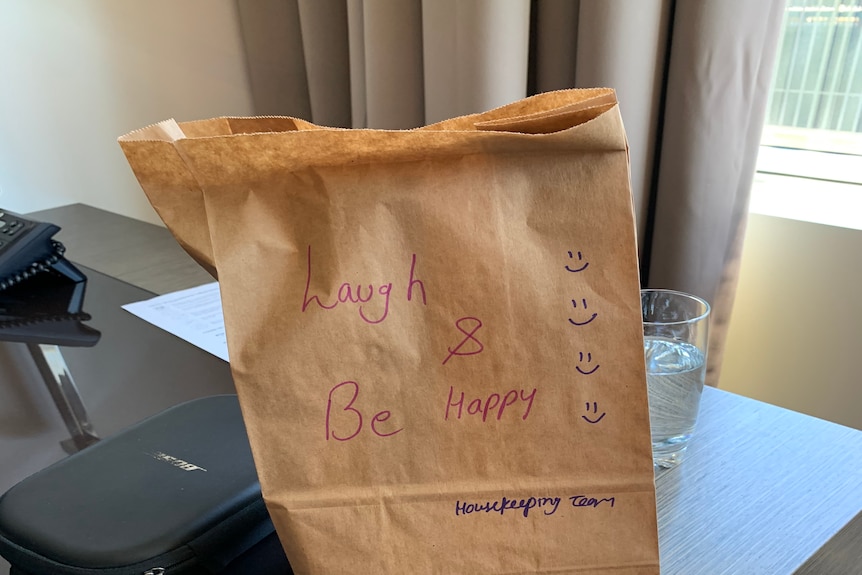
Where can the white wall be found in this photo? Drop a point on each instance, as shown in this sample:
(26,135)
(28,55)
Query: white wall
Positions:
(795,338)
(77,74)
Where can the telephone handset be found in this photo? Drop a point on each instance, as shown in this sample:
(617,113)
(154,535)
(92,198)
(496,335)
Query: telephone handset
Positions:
(26,248)
(41,293)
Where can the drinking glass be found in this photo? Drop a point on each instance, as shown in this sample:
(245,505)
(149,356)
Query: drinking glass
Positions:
(675,344)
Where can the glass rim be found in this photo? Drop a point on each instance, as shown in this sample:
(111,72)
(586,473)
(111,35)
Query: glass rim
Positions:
(707,308)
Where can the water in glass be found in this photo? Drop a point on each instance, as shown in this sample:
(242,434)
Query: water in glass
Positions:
(675,376)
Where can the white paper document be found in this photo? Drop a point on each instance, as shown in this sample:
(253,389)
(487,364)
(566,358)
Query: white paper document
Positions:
(194,315)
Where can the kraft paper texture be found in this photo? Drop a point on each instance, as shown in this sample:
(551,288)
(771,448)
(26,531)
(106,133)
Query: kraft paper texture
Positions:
(435,334)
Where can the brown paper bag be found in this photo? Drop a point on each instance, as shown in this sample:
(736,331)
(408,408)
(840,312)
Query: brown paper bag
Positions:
(435,334)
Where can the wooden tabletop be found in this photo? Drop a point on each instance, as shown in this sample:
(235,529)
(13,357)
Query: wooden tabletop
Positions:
(762,489)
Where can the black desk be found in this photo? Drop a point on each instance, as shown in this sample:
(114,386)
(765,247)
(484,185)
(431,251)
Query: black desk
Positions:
(136,370)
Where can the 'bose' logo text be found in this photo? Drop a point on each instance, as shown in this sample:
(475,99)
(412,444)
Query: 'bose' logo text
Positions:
(175,461)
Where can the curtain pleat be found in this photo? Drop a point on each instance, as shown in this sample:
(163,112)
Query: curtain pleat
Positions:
(356,39)
(276,59)
(716,100)
(476,54)
(327,60)
(394,86)
(623,45)
(555,44)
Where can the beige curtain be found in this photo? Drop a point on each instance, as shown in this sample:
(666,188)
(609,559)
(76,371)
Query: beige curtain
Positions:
(691,77)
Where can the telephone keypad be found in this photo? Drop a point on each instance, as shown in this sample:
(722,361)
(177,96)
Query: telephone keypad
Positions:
(11,226)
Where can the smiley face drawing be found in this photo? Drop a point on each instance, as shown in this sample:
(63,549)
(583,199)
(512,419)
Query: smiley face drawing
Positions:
(577,268)
(586,360)
(595,411)
(591,318)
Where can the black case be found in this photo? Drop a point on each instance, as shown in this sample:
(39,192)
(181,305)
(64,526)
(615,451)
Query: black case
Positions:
(176,494)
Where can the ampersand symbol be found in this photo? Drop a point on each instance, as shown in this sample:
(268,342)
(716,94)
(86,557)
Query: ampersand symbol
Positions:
(469,337)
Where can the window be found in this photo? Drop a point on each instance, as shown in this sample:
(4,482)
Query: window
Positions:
(810,161)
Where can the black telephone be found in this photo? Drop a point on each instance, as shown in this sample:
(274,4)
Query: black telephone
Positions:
(26,248)
(41,293)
